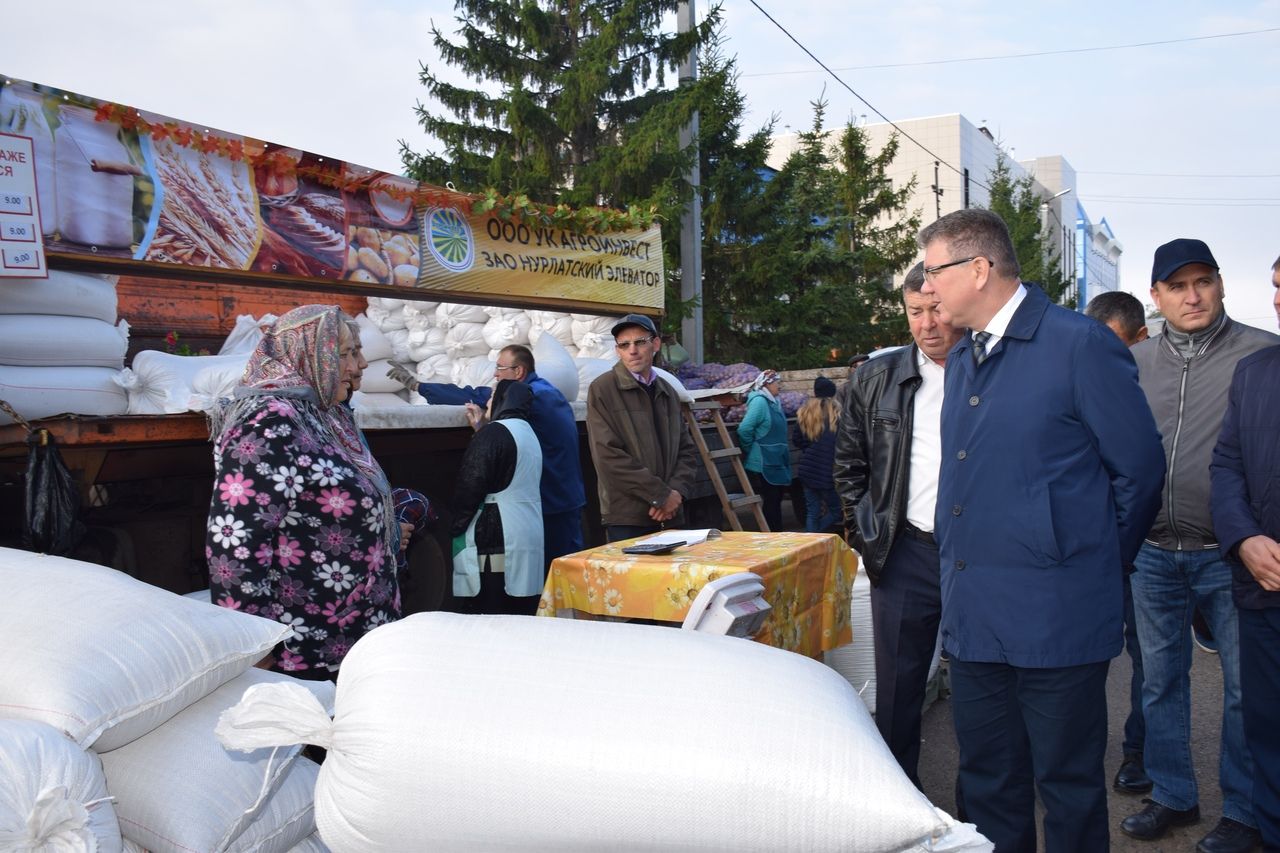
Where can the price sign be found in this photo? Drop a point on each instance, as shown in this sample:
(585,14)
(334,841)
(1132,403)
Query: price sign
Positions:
(21,243)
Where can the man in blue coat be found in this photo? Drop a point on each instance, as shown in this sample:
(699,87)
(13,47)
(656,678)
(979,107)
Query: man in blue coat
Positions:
(1051,474)
(1245,499)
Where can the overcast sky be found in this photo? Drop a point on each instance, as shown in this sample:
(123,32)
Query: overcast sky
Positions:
(339,77)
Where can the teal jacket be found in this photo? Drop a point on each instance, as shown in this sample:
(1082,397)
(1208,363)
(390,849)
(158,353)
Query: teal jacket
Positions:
(763,437)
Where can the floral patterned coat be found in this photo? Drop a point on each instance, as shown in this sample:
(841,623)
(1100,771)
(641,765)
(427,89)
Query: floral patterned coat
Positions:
(296,534)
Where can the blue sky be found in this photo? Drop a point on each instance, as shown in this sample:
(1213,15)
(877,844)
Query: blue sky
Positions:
(339,77)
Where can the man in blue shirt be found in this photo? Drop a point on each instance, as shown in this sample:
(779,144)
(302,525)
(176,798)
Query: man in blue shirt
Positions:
(563,496)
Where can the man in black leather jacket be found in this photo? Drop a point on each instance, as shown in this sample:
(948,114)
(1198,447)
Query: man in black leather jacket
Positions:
(886,472)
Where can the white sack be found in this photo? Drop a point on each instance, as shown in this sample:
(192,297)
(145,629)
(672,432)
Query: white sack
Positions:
(585,324)
(62,293)
(106,658)
(245,334)
(385,303)
(42,392)
(377,400)
(595,345)
(160,383)
(857,661)
(499,311)
(476,372)
(43,340)
(388,320)
(554,323)
(465,340)
(178,790)
(442,741)
(450,314)
(376,380)
(53,798)
(311,844)
(213,384)
(420,313)
(426,342)
(436,368)
(373,343)
(589,369)
(399,339)
(553,364)
(506,329)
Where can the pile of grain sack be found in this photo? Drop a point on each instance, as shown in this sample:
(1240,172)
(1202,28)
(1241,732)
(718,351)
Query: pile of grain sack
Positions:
(459,344)
(130,719)
(109,693)
(61,347)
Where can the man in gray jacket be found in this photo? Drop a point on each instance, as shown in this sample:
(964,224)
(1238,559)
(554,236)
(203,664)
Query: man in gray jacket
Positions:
(1185,373)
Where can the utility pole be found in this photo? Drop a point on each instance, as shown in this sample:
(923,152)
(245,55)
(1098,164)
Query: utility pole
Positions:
(937,191)
(691,221)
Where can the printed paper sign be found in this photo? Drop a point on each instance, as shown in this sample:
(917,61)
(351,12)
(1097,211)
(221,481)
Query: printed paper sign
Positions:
(21,244)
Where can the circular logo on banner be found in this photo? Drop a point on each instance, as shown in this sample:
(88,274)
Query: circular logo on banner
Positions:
(449,239)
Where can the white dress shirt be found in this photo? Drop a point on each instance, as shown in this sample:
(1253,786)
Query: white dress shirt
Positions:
(926,444)
(999,324)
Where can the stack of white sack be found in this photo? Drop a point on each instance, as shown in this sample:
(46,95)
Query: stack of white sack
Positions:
(770,751)
(555,323)
(161,383)
(593,335)
(139,676)
(61,349)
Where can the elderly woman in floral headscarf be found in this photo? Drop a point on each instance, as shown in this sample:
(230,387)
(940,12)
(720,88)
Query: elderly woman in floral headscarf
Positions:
(762,435)
(302,528)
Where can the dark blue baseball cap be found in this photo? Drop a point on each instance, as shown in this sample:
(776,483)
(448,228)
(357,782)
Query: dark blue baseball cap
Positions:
(635,320)
(1176,254)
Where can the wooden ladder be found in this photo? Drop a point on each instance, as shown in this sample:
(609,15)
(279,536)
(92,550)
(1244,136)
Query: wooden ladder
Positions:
(730,451)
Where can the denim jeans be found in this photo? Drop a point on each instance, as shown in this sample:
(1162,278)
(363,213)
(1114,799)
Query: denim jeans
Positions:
(815,501)
(1167,587)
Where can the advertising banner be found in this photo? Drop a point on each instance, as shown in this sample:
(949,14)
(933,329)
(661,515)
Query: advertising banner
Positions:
(120,183)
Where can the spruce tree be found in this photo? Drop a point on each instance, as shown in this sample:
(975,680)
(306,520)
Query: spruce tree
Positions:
(575,102)
(1019,205)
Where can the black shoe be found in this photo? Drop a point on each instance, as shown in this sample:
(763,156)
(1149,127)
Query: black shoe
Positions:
(1230,836)
(1155,820)
(1132,777)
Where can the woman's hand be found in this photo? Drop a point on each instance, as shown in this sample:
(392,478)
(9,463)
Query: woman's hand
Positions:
(406,533)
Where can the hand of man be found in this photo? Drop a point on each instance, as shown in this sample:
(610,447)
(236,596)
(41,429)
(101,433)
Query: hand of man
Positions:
(475,416)
(668,509)
(400,373)
(406,532)
(1261,556)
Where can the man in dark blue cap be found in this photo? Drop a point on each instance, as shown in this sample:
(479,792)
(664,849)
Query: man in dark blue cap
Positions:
(1185,373)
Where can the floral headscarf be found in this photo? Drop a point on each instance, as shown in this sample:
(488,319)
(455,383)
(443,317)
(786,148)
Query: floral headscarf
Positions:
(298,358)
(766,377)
(298,354)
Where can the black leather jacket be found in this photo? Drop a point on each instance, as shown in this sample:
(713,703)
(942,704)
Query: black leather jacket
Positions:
(873,454)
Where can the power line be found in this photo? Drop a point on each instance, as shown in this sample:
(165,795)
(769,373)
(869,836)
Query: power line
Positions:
(1171,174)
(1023,55)
(868,104)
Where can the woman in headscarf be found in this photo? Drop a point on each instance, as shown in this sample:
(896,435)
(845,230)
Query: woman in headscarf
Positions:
(762,435)
(497,511)
(302,528)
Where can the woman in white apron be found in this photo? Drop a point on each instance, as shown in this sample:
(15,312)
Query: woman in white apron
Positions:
(497,511)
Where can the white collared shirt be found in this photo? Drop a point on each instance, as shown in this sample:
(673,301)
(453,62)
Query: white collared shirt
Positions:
(999,324)
(926,444)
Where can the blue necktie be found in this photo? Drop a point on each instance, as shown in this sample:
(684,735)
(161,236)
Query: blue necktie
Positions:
(980,346)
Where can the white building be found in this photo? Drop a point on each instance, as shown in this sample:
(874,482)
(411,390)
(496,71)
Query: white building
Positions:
(952,165)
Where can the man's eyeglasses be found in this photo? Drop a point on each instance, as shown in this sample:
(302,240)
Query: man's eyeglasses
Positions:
(501,367)
(638,342)
(932,272)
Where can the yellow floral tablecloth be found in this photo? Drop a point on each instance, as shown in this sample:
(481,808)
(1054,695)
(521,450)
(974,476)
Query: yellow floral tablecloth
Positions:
(807,577)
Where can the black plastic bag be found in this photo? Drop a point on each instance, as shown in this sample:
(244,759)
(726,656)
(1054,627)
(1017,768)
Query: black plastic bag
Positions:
(52,524)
